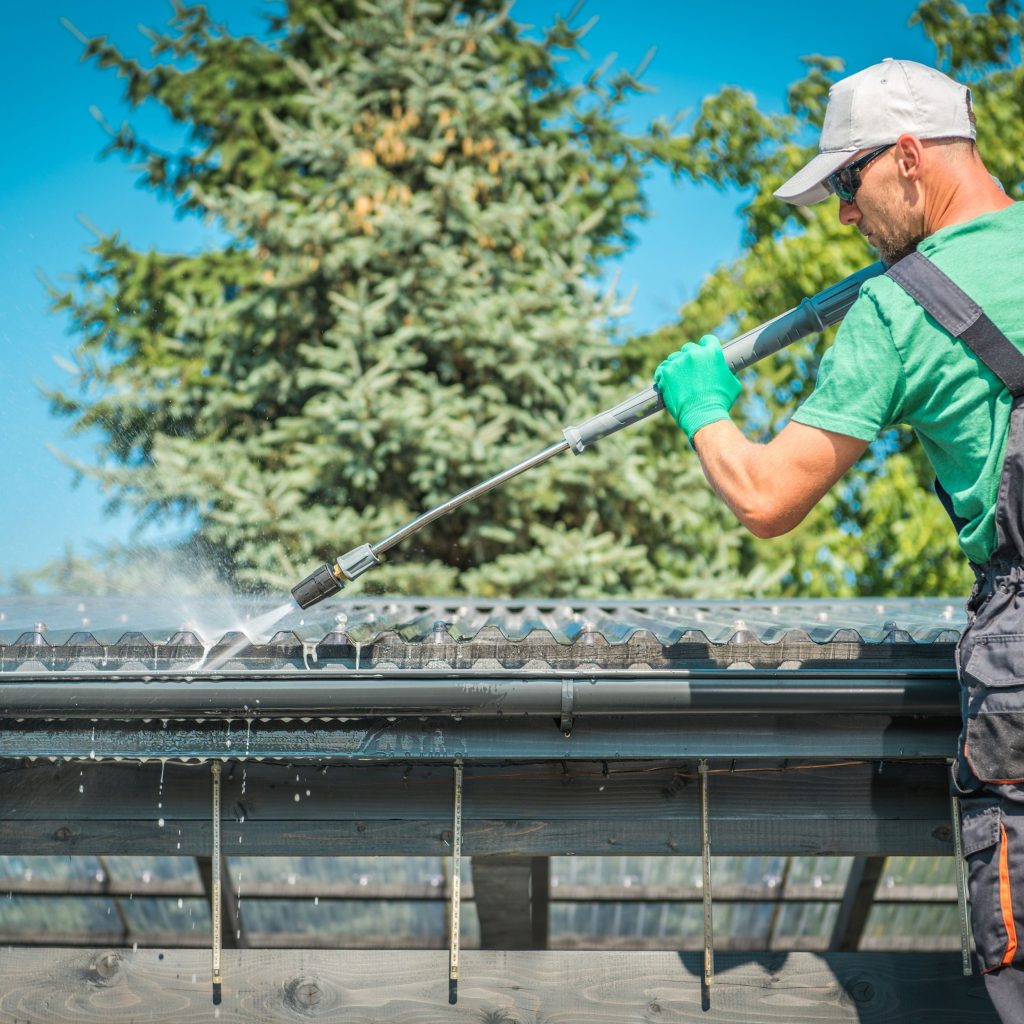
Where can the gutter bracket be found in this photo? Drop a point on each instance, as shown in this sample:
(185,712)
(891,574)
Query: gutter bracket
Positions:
(705,852)
(455,905)
(565,723)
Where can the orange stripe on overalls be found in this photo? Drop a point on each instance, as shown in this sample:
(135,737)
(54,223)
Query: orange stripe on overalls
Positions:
(1006,898)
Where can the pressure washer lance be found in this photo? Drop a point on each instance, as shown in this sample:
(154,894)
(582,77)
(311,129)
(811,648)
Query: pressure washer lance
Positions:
(812,315)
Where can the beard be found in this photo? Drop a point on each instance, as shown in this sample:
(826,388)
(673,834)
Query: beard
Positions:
(893,233)
(893,245)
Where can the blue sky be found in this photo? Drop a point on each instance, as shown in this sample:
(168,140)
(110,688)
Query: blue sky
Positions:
(51,176)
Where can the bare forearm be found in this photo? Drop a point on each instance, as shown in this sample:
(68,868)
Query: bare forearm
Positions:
(771,487)
(735,468)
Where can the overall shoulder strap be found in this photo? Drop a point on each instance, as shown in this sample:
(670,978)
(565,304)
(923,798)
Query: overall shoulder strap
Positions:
(955,310)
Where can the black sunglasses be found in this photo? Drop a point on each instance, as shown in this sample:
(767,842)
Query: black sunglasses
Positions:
(846,180)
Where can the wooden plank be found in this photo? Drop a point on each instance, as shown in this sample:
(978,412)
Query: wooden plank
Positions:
(409,987)
(640,790)
(534,837)
(397,941)
(541,810)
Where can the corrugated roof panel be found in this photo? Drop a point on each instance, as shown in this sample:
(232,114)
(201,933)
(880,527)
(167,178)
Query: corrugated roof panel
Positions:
(202,634)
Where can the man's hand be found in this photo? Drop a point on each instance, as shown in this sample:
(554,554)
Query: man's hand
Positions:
(697,385)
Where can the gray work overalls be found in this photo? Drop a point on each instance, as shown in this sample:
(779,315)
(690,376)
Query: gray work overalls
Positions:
(989,770)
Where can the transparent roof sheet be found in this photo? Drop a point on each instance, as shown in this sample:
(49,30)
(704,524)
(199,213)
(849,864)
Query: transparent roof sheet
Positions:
(189,634)
(159,617)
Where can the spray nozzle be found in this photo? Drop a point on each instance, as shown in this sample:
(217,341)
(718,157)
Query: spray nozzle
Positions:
(317,585)
(329,579)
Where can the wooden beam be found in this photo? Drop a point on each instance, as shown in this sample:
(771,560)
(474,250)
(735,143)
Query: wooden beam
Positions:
(861,884)
(511,896)
(115,898)
(526,810)
(406,987)
(540,900)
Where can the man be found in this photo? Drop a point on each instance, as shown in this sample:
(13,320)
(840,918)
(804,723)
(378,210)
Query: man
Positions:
(897,149)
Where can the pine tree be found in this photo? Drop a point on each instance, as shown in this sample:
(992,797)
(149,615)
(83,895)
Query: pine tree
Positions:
(416,206)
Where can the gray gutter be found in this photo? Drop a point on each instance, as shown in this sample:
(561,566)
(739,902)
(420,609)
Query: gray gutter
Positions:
(445,693)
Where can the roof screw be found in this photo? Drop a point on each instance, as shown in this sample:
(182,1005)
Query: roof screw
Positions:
(40,627)
(106,965)
(890,629)
(439,634)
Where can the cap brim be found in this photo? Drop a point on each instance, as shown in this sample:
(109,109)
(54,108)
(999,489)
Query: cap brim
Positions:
(805,187)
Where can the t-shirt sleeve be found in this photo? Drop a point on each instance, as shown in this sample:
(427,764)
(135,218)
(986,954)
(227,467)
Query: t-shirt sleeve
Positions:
(861,382)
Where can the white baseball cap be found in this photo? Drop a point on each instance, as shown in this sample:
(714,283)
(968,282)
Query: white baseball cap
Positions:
(875,107)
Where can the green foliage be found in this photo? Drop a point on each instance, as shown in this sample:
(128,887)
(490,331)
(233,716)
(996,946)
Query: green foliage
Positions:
(881,531)
(415,204)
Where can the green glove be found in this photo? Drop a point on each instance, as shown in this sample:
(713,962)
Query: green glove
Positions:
(697,385)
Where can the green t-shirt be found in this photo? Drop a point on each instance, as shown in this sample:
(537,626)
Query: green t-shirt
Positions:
(891,363)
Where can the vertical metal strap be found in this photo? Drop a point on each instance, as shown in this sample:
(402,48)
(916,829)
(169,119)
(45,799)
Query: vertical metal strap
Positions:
(215,917)
(705,852)
(456,893)
(961,886)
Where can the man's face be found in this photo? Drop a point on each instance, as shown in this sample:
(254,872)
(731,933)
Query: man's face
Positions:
(884,209)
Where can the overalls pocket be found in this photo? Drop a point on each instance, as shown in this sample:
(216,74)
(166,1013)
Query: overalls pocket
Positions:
(990,868)
(994,721)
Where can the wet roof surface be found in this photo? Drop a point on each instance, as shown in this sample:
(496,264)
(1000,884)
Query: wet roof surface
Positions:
(164,632)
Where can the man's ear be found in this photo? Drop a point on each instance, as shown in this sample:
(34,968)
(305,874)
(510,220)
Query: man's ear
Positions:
(909,157)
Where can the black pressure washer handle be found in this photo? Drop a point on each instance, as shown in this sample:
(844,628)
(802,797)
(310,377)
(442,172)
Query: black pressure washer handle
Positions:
(813,314)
